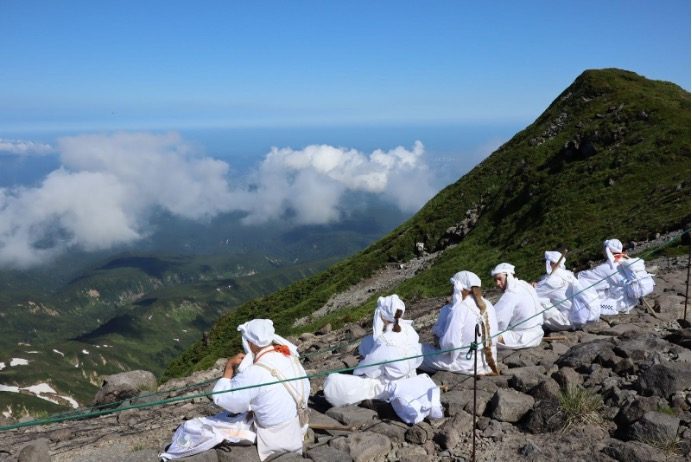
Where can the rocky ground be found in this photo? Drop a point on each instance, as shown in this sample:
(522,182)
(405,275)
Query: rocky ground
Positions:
(617,390)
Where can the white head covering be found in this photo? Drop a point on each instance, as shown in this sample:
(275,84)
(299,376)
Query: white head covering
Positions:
(612,246)
(463,280)
(508,270)
(261,333)
(385,311)
(553,257)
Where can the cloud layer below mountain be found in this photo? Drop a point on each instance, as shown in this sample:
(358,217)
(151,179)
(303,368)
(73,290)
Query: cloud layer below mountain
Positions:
(109,186)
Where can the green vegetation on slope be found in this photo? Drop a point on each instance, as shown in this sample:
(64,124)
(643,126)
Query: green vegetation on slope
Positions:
(609,157)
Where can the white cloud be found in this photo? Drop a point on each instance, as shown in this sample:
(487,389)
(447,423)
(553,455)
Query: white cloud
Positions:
(108,186)
(311,182)
(24,148)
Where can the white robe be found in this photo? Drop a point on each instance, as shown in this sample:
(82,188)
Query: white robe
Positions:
(373,382)
(519,316)
(555,291)
(610,285)
(455,328)
(275,416)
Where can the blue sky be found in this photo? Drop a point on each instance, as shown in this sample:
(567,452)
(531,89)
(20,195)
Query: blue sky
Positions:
(139,65)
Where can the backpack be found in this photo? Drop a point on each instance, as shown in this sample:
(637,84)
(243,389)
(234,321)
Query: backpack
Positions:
(638,282)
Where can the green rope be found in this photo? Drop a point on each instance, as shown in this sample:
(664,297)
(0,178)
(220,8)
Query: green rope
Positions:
(96,411)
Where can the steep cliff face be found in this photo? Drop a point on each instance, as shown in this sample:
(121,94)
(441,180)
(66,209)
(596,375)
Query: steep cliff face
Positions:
(609,157)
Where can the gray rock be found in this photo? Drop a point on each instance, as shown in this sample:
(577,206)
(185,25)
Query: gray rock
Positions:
(548,388)
(664,379)
(545,417)
(228,453)
(125,385)
(418,434)
(143,455)
(206,456)
(63,434)
(559,348)
(352,415)
(458,401)
(288,457)
(395,431)
(509,405)
(327,328)
(633,451)
(524,379)
(328,454)
(567,377)
(368,446)
(634,409)
(448,437)
(412,454)
(643,346)
(356,331)
(529,450)
(35,451)
(654,427)
(581,356)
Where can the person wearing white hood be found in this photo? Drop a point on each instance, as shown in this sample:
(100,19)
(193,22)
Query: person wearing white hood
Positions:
(567,303)
(280,410)
(620,281)
(454,330)
(393,338)
(519,312)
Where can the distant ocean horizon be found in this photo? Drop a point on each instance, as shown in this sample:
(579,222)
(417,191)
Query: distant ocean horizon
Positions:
(451,149)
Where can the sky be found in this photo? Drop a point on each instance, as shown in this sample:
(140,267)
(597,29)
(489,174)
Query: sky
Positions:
(107,65)
(111,111)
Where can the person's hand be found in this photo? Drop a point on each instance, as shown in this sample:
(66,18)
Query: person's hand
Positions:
(232,364)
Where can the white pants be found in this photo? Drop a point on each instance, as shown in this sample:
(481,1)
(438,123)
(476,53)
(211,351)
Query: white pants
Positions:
(343,389)
(518,339)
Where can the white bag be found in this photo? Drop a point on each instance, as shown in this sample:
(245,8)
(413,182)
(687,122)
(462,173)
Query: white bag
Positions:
(203,433)
(416,398)
(639,283)
(586,304)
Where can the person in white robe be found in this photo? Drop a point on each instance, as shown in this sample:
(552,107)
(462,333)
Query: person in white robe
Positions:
(519,312)
(455,330)
(279,409)
(611,279)
(567,303)
(394,352)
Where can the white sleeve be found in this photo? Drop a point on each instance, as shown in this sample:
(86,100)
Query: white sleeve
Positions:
(452,337)
(236,401)
(598,277)
(504,309)
(378,354)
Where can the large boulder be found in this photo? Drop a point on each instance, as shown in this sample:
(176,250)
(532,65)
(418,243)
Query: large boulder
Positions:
(509,405)
(119,387)
(664,379)
(583,355)
(654,427)
(35,451)
(633,451)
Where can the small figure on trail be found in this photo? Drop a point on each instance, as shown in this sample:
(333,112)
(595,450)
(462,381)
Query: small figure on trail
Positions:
(455,328)
(620,281)
(568,304)
(393,338)
(519,312)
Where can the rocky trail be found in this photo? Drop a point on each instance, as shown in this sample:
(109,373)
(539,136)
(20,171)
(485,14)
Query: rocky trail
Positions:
(617,390)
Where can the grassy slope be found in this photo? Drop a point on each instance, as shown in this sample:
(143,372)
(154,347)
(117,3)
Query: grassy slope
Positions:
(538,194)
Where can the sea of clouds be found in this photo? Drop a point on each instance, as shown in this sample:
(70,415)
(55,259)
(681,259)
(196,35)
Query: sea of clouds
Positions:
(109,186)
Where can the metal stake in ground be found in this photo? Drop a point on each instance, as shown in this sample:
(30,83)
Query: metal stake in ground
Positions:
(476,334)
(687,288)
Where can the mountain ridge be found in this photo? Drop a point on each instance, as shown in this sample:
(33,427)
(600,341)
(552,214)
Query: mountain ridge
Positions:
(608,157)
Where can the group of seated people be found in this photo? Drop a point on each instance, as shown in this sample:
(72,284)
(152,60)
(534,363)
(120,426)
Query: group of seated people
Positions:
(275,415)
